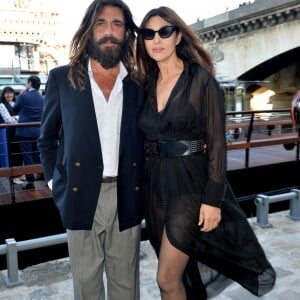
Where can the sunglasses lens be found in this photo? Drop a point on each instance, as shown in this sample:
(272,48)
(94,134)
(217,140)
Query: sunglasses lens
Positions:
(148,34)
(166,31)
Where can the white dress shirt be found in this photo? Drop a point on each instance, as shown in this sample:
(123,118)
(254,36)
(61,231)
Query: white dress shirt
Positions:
(109,115)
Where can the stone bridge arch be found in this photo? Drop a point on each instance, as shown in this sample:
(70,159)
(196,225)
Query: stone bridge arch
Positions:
(257,42)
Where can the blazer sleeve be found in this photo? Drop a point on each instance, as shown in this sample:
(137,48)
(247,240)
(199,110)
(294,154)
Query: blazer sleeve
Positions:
(51,127)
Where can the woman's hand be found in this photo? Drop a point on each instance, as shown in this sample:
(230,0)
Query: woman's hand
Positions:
(209,217)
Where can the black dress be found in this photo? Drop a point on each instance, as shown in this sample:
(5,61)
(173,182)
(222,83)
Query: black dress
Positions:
(176,186)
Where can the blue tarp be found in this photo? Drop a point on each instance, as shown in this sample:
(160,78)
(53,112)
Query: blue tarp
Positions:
(3,149)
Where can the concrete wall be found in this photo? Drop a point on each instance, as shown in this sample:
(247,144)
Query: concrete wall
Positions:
(243,52)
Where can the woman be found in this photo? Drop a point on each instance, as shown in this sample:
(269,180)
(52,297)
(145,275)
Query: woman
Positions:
(8,99)
(7,115)
(183,120)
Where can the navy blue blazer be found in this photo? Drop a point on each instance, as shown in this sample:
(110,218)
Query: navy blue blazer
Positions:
(29,107)
(71,155)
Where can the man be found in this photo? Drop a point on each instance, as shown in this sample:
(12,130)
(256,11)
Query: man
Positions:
(92,152)
(29,107)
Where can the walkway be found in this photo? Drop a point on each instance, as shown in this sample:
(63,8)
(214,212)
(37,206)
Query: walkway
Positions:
(52,280)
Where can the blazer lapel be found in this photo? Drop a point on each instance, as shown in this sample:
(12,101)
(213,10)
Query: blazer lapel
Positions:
(89,120)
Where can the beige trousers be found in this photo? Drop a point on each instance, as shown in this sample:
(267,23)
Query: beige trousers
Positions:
(105,249)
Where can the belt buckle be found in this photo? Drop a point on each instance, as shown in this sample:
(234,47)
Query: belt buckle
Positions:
(188,147)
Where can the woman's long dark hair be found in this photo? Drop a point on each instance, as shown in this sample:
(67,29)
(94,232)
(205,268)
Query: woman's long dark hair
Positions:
(190,48)
(6,90)
(79,44)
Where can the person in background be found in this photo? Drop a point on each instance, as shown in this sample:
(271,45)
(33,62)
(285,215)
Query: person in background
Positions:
(92,152)
(29,107)
(7,102)
(8,98)
(295,108)
(5,117)
(191,216)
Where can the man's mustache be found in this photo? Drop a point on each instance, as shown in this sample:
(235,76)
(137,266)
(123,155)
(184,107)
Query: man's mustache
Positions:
(108,39)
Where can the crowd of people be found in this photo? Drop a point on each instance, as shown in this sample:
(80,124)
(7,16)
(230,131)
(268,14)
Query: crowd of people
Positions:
(19,144)
(134,127)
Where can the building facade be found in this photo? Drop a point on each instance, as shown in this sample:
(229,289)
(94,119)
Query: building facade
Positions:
(29,39)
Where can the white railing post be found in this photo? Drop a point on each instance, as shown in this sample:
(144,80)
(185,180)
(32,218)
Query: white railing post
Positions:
(12,264)
(295,206)
(262,210)
(263,202)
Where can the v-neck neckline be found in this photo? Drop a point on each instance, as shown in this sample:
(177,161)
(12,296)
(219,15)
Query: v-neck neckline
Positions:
(174,89)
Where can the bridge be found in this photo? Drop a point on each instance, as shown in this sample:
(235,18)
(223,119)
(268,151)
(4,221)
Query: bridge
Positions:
(257,43)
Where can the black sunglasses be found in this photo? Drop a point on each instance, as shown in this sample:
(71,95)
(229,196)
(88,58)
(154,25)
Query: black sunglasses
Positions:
(164,32)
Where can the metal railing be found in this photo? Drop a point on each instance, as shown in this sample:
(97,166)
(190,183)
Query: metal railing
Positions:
(260,128)
(263,202)
(11,249)
(9,150)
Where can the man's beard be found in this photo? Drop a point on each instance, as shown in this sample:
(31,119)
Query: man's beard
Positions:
(110,56)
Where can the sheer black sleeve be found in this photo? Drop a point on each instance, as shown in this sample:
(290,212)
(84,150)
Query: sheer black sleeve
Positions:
(214,117)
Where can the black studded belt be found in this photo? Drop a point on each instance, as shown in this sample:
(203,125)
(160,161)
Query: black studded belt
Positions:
(165,149)
(109,179)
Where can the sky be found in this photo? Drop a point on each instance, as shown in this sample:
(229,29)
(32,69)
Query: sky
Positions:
(189,10)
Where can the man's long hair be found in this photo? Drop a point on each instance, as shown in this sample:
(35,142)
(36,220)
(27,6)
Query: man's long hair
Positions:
(79,45)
